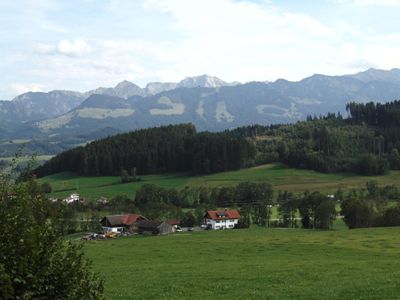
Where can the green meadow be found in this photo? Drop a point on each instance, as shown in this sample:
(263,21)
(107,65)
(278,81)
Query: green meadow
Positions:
(255,263)
(280,176)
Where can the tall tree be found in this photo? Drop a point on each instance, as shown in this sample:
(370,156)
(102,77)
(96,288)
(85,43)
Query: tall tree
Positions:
(35,261)
(288,204)
(357,212)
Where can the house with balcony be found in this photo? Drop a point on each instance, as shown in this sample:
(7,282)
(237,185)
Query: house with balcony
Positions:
(221,219)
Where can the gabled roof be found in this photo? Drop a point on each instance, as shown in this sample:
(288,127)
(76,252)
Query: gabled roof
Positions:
(172,222)
(123,220)
(223,214)
(149,223)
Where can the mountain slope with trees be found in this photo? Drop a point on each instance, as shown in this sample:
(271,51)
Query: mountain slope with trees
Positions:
(176,148)
(367,142)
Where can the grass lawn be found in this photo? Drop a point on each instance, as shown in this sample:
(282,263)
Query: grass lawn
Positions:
(280,176)
(254,263)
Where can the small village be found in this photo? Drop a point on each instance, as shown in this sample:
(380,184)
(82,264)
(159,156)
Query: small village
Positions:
(113,226)
(129,224)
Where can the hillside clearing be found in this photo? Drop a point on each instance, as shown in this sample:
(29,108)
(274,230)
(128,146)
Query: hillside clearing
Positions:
(280,176)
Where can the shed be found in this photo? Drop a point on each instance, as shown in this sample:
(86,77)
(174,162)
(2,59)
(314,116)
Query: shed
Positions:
(174,223)
(154,227)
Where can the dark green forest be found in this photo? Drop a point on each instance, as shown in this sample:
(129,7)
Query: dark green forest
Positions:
(176,148)
(366,142)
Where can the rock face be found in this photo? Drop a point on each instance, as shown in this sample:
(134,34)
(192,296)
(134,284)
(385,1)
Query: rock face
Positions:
(202,81)
(208,102)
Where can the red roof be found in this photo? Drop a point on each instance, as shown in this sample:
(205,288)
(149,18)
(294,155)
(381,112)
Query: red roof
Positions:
(223,214)
(172,222)
(129,219)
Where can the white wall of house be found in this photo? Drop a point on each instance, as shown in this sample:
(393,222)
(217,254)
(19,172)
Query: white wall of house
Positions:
(72,198)
(222,224)
(113,229)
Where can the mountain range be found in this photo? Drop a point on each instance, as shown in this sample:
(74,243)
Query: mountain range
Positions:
(208,102)
(33,106)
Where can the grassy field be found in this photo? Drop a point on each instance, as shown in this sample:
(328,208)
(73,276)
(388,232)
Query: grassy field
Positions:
(252,263)
(280,176)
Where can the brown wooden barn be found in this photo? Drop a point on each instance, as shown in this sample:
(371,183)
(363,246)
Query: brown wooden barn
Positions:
(121,223)
(154,227)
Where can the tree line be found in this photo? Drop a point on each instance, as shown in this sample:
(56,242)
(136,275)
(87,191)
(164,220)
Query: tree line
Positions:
(370,206)
(174,148)
(255,200)
(367,142)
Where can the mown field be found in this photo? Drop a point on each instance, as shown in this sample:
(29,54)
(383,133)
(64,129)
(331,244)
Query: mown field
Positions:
(280,176)
(254,263)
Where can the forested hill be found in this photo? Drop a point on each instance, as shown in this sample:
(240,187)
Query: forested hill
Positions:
(368,142)
(177,148)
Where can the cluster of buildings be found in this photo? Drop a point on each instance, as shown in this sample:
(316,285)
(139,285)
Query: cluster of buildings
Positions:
(213,220)
(137,223)
(74,197)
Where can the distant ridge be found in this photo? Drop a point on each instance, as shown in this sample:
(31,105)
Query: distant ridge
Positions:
(206,101)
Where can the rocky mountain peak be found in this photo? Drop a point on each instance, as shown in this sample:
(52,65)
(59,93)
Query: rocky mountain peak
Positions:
(202,81)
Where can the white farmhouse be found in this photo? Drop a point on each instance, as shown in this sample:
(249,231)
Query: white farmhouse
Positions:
(72,198)
(221,219)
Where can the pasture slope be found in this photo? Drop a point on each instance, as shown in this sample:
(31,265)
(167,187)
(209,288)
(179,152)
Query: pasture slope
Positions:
(280,176)
(255,263)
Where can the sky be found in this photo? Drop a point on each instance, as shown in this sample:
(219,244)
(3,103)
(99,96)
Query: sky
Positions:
(81,45)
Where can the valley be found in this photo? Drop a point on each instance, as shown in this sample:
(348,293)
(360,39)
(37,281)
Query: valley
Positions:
(196,150)
(280,176)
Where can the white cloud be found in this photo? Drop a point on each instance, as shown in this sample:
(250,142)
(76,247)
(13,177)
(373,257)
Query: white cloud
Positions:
(239,40)
(27,87)
(231,39)
(74,48)
(65,47)
(244,41)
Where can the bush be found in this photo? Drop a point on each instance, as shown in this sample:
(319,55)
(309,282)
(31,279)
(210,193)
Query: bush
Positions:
(371,165)
(390,217)
(242,223)
(358,213)
(188,219)
(125,177)
(46,188)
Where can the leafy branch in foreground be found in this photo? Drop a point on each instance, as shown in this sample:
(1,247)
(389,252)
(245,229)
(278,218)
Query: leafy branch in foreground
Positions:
(35,261)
